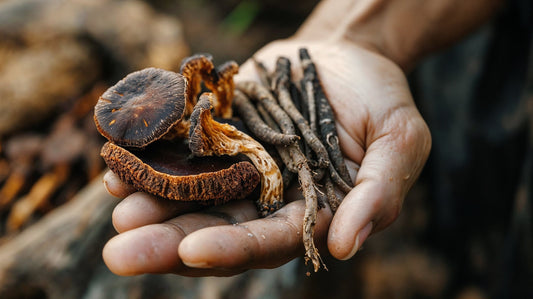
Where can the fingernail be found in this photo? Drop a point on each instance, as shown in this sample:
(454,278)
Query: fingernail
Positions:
(105,180)
(361,237)
(191,256)
(199,265)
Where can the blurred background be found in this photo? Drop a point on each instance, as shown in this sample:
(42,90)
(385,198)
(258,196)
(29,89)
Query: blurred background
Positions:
(465,229)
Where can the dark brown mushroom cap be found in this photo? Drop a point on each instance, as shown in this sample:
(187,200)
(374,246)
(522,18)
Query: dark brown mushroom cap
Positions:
(142,107)
(166,169)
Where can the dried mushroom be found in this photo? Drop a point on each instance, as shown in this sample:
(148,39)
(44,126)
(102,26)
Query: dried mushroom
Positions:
(200,68)
(142,107)
(208,137)
(166,169)
(146,118)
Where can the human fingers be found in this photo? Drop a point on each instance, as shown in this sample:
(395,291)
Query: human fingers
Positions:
(115,186)
(140,209)
(154,248)
(392,162)
(262,243)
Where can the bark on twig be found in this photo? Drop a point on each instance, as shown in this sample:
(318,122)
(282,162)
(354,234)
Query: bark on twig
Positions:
(281,79)
(326,118)
(261,94)
(261,130)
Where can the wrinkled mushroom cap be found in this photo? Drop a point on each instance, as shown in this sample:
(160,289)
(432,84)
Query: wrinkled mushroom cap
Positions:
(167,170)
(142,107)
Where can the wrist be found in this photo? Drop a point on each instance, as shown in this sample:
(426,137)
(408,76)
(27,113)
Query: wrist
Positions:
(365,23)
(388,28)
(403,31)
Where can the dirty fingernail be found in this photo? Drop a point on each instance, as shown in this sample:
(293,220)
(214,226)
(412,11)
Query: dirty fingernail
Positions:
(361,237)
(115,187)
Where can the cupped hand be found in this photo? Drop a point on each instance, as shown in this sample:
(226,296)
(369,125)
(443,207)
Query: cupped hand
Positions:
(379,129)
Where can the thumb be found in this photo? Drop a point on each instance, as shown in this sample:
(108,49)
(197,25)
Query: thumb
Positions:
(389,168)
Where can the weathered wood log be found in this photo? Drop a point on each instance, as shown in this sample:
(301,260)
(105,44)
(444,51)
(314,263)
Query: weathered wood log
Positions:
(52,51)
(57,255)
(35,81)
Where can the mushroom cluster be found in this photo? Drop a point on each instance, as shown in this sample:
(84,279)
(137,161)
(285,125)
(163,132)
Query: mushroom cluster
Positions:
(163,141)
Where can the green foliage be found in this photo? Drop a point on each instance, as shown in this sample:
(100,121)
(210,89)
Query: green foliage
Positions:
(241,17)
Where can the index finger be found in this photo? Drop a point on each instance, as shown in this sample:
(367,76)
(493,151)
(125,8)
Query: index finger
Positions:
(261,243)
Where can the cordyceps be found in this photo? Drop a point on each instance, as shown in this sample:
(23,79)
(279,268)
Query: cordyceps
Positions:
(169,139)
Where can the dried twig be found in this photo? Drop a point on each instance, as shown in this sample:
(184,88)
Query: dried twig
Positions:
(262,71)
(253,121)
(287,173)
(262,95)
(326,124)
(282,79)
(21,151)
(39,195)
(309,97)
(333,200)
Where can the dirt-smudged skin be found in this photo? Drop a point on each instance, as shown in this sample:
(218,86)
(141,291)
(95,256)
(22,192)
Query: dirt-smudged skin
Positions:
(234,182)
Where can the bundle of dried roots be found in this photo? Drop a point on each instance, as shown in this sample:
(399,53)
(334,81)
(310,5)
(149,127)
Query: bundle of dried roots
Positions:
(278,110)
(154,110)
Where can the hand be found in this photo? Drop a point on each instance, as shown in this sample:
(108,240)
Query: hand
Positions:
(379,129)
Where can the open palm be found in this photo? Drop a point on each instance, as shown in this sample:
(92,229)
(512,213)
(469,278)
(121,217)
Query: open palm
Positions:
(379,129)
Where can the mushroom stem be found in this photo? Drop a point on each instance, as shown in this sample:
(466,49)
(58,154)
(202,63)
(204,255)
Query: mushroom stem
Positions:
(208,137)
